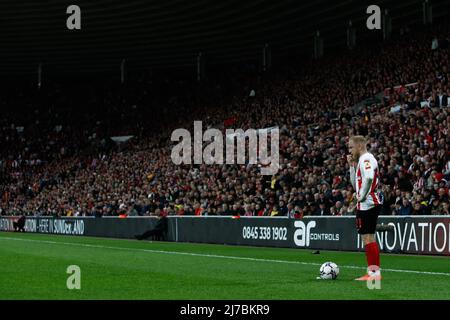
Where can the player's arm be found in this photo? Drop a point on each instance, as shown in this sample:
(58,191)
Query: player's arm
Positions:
(352,171)
(353,177)
(367,175)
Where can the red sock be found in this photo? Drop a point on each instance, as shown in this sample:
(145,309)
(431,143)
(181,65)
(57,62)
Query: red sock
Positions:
(372,254)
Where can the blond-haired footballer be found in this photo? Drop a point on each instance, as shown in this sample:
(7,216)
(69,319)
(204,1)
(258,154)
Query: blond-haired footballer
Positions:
(364,178)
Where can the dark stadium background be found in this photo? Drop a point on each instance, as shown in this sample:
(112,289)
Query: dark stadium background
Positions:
(156,34)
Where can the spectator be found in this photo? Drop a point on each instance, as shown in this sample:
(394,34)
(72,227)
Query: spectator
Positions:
(322,210)
(19,225)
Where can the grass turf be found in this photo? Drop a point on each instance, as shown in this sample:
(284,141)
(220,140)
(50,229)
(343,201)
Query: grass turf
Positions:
(33,266)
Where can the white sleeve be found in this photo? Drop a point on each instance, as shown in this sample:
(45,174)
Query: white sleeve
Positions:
(353,176)
(368,169)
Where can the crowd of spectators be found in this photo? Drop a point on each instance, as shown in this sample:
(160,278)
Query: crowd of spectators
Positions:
(57,157)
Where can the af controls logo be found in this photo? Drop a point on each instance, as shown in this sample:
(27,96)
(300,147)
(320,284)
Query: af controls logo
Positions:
(302,235)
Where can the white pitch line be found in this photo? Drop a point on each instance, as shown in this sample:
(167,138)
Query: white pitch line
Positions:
(212,255)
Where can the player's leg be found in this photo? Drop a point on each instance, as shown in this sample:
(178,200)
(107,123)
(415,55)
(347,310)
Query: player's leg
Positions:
(366,223)
(372,254)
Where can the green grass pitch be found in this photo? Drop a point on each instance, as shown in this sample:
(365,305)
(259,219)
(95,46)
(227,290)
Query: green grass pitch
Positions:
(33,266)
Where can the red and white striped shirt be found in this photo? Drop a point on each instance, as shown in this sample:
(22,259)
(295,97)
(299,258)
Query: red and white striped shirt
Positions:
(367,168)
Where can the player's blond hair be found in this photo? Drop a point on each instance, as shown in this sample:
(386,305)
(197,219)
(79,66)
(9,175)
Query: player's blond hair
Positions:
(361,140)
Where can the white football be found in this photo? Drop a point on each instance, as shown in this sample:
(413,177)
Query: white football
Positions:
(329,270)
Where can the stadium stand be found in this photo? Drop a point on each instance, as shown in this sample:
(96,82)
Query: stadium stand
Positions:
(57,159)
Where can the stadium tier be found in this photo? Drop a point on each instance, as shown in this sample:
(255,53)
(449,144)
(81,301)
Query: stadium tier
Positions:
(58,158)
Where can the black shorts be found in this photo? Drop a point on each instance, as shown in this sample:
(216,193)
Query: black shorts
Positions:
(366,221)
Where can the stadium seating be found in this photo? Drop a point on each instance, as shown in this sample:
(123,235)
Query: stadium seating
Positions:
(57,158)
